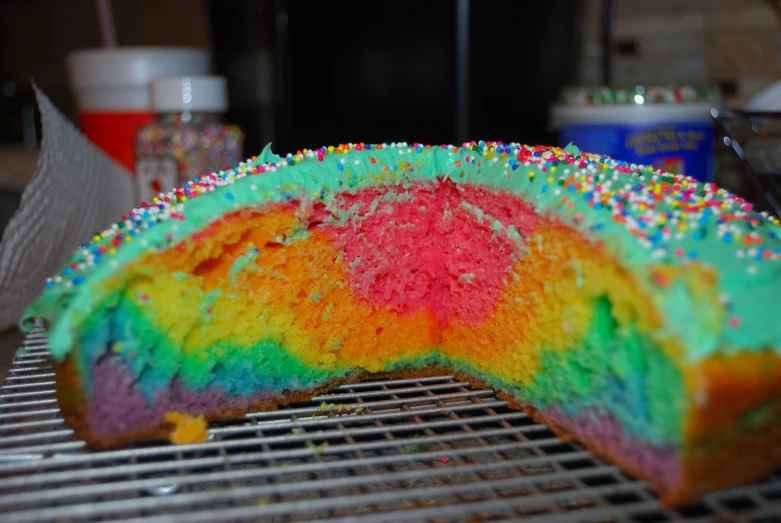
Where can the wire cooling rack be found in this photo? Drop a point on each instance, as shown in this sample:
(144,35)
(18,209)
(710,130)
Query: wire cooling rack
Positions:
(428,449)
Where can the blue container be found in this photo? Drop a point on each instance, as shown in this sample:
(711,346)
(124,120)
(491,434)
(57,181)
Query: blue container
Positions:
(675,137)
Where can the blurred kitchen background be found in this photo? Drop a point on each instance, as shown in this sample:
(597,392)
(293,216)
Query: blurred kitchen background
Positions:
(306,73)
(303,73)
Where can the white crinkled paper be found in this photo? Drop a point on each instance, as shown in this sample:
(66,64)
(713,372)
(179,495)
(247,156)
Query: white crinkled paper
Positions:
(77,190)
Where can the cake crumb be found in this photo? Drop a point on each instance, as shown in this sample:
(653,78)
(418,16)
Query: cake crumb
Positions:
(186,429)
(317,449)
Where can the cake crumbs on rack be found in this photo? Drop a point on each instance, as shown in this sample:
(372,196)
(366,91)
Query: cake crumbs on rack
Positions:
(186,429)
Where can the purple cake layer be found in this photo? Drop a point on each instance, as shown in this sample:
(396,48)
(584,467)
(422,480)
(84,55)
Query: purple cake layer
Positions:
(113,381)
(604,431)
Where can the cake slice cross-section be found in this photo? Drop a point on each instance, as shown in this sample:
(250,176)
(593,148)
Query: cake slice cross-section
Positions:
(634,310)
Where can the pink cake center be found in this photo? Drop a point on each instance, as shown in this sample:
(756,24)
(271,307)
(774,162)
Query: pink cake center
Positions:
(434,246)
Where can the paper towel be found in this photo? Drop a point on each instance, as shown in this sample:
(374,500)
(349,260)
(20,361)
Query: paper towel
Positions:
(77,190)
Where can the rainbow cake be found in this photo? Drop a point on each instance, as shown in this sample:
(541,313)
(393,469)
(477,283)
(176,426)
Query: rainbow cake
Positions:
(635,310)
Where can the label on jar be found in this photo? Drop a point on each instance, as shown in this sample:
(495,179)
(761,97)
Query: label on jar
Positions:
(677,147)
(155,174)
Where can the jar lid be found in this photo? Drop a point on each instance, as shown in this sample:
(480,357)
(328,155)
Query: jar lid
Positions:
(639,95)
(206,94)
(128,66)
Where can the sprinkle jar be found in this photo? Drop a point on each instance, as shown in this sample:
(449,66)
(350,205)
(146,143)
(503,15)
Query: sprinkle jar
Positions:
(188,138)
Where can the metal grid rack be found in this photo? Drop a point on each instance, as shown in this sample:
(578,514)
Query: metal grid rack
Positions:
(429,449)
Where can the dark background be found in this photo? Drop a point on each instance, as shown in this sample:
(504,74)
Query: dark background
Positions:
(305,73)
(386,71)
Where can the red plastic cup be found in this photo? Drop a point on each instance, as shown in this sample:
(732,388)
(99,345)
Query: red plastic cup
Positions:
(112,91)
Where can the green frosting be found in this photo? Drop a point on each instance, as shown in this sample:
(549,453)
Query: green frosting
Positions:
(244,261)
(266,156)
(610,202)
(571,149)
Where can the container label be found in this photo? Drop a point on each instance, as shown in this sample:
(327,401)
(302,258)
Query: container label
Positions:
(680,148)
(155,174)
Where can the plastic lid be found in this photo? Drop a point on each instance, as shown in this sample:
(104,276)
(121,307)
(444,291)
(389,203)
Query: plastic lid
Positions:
(206,94)
(639,95)
(563,115)
(134,65)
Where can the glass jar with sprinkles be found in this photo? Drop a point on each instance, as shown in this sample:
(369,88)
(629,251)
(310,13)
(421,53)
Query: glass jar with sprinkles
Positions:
(188,138)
